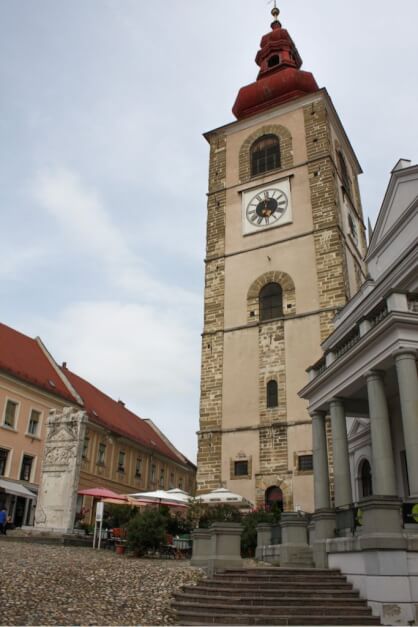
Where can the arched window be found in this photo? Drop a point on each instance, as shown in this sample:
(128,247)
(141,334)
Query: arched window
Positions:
(271,301)
(366,485)
(273,498)
(265,154)
(272,394)
(273,61)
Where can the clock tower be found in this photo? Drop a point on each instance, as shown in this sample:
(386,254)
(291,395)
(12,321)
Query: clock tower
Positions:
(285,249)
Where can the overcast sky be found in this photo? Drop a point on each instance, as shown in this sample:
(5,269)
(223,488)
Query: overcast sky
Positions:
(103,168)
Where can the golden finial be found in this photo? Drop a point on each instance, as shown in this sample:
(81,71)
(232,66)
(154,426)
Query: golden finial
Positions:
(275,11)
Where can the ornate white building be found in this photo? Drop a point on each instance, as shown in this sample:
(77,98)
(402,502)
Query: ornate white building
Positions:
(367,382)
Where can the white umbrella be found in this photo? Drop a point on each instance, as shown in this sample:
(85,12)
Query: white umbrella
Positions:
(179,494)
(224,496)
(161,496)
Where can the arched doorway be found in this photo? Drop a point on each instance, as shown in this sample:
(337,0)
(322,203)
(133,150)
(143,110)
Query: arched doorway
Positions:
(365,479)
(273,498)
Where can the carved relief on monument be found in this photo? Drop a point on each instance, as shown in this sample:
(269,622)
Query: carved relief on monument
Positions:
(61,469)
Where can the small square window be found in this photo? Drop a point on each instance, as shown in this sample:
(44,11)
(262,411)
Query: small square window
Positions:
(10,414)
(241,469)
(305,462)
(34,420)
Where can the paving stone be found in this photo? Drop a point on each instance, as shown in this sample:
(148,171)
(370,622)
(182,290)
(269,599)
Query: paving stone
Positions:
(55,585)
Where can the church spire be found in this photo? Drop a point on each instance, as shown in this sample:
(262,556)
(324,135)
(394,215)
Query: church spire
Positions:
(280,78)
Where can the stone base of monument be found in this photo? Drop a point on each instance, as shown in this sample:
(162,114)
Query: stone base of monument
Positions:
(77,537)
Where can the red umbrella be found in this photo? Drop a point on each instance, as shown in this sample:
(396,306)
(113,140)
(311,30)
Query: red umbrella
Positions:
(102,493)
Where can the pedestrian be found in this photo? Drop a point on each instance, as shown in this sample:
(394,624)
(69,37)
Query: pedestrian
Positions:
(3,520)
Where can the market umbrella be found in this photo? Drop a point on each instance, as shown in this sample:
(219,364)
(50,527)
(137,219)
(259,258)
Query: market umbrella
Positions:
(224,496)
(102,493)
(161,497)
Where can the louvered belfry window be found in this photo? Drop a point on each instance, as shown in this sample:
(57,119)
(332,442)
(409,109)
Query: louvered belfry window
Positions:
(271,302)
(265,154)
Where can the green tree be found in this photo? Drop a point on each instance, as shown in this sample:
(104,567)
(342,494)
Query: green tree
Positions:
(146,531)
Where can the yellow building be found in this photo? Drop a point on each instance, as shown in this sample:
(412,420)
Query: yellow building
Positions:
(121,451)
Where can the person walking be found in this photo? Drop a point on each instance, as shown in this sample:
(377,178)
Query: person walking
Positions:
(3,520)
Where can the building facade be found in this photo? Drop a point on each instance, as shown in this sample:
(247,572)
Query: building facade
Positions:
(121,451)
(367,383)
(285,249)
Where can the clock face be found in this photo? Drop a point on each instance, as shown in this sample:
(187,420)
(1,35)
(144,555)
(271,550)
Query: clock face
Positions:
(267,207)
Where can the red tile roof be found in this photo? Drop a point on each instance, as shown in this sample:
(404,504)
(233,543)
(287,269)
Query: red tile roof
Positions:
(115,416)
(22,357)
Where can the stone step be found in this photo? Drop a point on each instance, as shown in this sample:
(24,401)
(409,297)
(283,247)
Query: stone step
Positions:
(279,569)
(215,608)
(262,591)
(261,600)
(278,585)
(278,576)
(189,618)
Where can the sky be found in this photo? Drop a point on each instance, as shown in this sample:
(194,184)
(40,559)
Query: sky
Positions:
(103,167)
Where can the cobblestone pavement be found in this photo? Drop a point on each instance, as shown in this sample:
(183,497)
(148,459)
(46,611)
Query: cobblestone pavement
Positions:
(51,585)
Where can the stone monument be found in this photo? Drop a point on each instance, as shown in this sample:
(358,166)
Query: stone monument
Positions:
(57,498)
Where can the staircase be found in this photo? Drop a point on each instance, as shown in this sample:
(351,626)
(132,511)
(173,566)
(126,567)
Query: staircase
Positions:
(272,596)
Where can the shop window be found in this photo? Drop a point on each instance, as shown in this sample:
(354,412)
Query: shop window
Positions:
(26,469)
(10,414)
(265,154)
(272,394)
(305,463)
(121,461)
(34,422)
(4,455)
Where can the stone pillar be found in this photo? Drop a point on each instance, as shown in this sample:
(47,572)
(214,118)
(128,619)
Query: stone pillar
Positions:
(381,523)
(324,521)
(383,464)
(225,547)
(263,534)
(294,550)
(60,475)
(406,369)
(320,461)
(201,547)
(342,479)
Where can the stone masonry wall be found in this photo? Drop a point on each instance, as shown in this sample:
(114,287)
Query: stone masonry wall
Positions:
(209,457)
(333,286)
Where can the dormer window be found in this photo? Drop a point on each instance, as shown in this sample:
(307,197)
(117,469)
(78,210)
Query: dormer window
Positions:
(265,154)
(273,61)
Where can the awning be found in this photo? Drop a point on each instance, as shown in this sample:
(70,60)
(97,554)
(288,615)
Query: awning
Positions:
(12,487)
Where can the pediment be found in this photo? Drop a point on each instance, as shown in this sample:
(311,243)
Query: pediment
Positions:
(358,426)
(400,202)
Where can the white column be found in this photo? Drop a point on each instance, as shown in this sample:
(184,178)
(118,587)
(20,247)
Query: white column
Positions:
(320,461)
(406,369)
(342,479)
(383,465)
